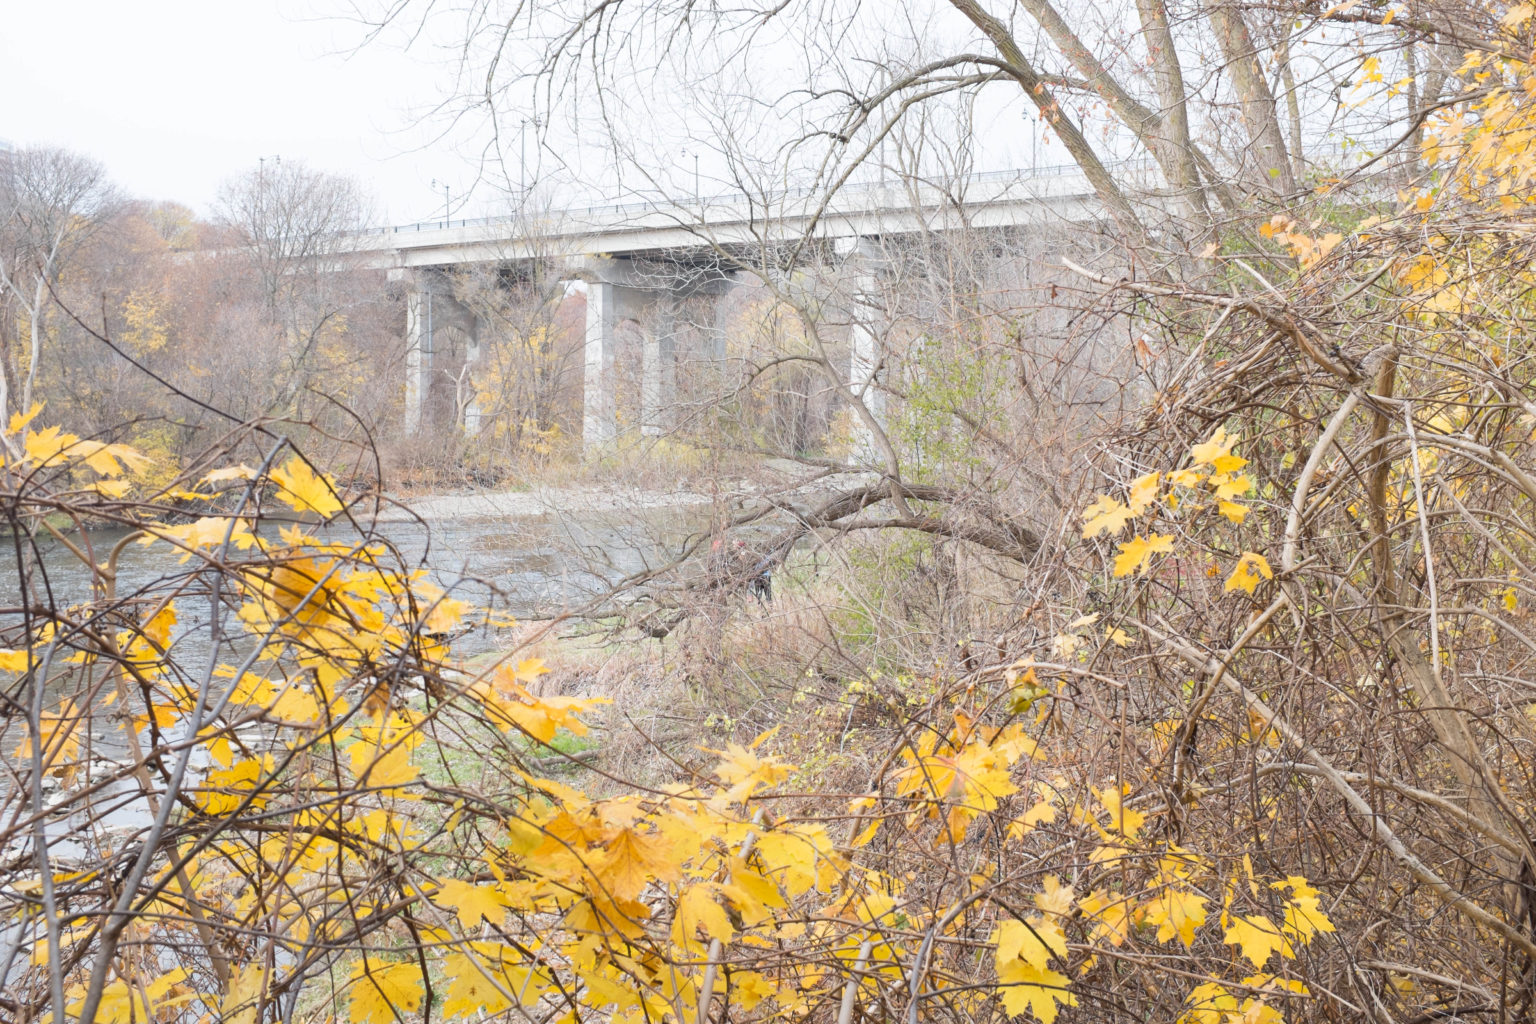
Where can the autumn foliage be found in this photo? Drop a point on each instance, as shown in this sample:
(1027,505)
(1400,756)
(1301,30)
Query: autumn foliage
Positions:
(1265,755)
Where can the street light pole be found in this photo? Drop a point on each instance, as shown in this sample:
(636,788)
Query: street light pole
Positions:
(697,198)
(522,158)
(447,207)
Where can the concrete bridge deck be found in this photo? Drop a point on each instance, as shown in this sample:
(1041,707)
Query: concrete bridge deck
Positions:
(623,253)
(1059,194)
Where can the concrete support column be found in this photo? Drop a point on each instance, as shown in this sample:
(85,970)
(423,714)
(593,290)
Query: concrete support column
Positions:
(658,371)
(599,425)
(866,340)
(473,414)
(418,358)
(717,328)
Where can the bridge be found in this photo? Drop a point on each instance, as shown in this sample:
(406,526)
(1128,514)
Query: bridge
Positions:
(647,255)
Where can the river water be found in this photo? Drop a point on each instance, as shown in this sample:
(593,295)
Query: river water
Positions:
(534,565)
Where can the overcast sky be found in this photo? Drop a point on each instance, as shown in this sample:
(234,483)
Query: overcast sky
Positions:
(175,96)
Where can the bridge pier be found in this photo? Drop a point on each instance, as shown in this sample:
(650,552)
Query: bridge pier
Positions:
(658,370)
(418,357)
(442,339)
(610,307)
(620,292)
(866,339)
(598,418)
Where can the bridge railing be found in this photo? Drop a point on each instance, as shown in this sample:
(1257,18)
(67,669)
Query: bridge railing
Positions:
(615,211)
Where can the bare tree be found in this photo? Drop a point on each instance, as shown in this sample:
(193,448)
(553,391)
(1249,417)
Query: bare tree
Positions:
(292,226)
(51,202)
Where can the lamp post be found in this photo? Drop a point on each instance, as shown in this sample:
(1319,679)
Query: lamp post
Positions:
(695,154)
(446,206)
(263,196)
(522,158)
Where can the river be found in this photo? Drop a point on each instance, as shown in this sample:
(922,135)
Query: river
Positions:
(530,564)
(533,564)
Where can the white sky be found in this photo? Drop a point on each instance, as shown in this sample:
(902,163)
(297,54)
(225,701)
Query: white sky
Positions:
(175,96)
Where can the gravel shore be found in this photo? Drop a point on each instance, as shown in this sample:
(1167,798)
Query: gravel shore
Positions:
(538,501)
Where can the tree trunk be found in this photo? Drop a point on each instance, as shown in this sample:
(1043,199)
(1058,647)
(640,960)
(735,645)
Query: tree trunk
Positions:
(1166,136)
(1292,108)
(1092,167)
(35,318)
(1266,145)
(1485,800)
(1173,124)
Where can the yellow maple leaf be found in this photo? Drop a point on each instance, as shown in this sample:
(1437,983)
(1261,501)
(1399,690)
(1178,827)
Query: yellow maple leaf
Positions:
(983,774)
(1257,938)
(383,768)
(182,494)
(225,789)
(469,990)
(110,459)
(1111,915)
(14,661)
(1233,511)
(865,836)
(245,987)
(1035,941)
(1277,984)
(60,742)
(382,992)
(1105,516)
(1250,568)
(1304,919)
(1256,1011)
(529,669)
(633,859)
(1299,887)
(120,1004)
(228,473)
(303,491)
(472,903)
(1219,444)
(1185,477)
(1122,819)
(1056,899)
(19,420)
(1518,15)
(1209,1003)
(1177,912)
(206,532)
(795,857)
(46,445)
(540,718)
(1136,554)
(1228,486)
(1143,492)
(698,911)
(479,985)
(745,771)
(1039,990)
(750,988)
(1043,812)
(602,991)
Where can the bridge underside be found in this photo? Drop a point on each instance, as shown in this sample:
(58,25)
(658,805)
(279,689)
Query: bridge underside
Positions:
(671,313)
